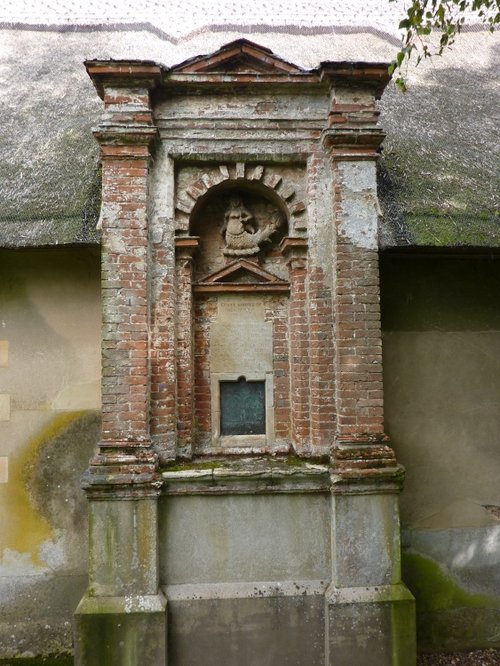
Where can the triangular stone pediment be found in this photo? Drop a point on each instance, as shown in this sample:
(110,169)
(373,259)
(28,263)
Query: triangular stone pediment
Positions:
(242,275)
(238,57)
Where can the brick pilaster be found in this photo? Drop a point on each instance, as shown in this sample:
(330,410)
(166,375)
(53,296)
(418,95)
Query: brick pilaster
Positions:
(359,346)
(321,357)
(125,458)
(353,138)
(277,313)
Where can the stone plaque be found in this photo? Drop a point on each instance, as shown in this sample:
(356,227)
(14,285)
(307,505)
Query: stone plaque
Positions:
(242,407)
(241,340)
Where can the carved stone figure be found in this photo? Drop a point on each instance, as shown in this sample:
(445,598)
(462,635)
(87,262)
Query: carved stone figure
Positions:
(240,233)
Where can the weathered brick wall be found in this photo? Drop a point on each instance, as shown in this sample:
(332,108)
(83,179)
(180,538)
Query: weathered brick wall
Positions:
(359,346)
(326,338)
(163,406)
(205,312)
(321,359)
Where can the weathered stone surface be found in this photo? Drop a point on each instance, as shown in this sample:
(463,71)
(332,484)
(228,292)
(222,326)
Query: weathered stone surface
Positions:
(366,548)
(123,547)
(247,629)
(244,538)
(370,625)
(319,345)
(241,338)
(113,630)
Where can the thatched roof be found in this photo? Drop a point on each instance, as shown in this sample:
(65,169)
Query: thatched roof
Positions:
(439,170)
(440,166)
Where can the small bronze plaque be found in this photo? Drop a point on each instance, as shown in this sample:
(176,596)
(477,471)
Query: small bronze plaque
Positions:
(242,407)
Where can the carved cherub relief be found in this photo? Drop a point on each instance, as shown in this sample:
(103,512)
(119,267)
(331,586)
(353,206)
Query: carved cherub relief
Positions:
(240,233)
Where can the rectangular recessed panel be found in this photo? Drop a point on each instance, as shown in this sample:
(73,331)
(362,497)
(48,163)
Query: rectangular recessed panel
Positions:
(4,469)
(4,353)
(242,408)
(4,407)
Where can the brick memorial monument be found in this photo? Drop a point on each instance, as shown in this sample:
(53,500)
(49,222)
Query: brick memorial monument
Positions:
(244,497)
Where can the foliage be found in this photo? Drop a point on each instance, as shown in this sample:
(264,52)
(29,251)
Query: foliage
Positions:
(444,17)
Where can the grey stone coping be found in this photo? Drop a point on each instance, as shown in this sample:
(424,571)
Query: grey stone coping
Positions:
(245,590)
(246,476)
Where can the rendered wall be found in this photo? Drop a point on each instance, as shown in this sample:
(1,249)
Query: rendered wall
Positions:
(441,346)
(49,425)
(441,369)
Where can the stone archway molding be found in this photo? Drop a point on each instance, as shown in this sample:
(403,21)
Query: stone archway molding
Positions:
(245,173)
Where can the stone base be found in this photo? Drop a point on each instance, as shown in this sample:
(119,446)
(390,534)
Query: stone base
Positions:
(370,626)
(121,630)
(249,624)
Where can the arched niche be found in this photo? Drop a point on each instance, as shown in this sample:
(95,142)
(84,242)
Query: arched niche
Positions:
(262,206)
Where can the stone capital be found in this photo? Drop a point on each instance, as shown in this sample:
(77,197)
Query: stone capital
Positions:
(125,89)
(349,142)
(352,132)
(127,137)
(295,251)
(185,247)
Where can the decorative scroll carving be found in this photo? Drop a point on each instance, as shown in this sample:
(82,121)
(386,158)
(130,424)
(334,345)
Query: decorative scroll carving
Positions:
(239,231)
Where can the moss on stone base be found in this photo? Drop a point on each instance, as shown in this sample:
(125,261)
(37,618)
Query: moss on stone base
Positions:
(54,660)
(216,463)
(449,617)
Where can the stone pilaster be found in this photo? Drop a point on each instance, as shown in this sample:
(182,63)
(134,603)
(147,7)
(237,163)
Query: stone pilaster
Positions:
(123,599)
(369,612)
(295,250)
(185,247)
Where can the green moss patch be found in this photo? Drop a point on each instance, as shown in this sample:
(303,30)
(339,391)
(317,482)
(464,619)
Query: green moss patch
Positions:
(61,660)
(290,461)
(449,617)
(434,590)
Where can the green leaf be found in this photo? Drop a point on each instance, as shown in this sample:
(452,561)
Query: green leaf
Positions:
(400,83)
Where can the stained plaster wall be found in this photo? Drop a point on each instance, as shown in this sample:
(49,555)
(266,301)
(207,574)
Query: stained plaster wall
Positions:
(49,425)
(441,357)
(442,395)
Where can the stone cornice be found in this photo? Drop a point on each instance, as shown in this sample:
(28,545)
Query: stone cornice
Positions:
(123,135)
(123,74)
(372,75)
